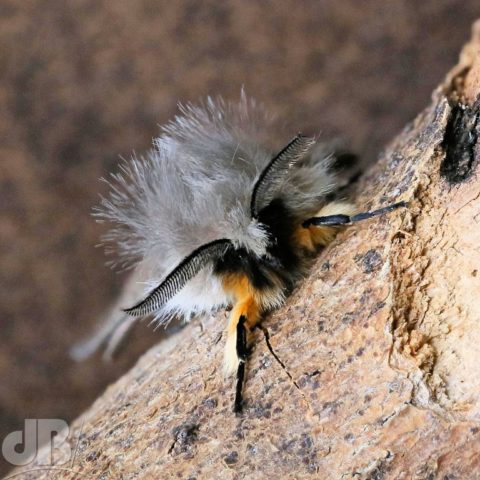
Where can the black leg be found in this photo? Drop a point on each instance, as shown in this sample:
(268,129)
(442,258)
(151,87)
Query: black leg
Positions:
(339,220)
(238,407)
(242,353)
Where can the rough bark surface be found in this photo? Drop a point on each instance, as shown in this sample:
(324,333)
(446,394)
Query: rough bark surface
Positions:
(371,368)
(86,82)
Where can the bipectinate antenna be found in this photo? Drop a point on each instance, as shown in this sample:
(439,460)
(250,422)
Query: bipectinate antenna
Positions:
(177,279)
(274,173)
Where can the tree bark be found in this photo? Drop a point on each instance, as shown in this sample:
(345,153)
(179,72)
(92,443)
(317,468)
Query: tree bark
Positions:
(370,369)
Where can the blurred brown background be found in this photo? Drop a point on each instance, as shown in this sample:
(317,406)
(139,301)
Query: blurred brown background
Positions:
(84,82)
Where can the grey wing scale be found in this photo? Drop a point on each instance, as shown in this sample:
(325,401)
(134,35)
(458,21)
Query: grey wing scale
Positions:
(177,279)
(115,323)
(274,173)
(111,333)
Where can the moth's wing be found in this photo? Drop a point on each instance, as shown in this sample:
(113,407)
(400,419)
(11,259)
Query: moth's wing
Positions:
(113,326)
(346,165)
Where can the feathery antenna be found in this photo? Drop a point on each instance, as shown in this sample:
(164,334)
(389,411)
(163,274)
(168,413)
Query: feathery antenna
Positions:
(177,279)
(272,175)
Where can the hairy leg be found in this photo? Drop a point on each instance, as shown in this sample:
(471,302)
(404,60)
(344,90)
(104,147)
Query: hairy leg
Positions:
(243,317)
(311,236)
(245,313)
(341,219)
(245,306)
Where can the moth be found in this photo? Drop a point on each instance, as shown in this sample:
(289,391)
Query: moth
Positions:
(216,218)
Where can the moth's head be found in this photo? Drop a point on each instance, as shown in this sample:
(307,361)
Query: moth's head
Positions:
(249,244)
(254,238)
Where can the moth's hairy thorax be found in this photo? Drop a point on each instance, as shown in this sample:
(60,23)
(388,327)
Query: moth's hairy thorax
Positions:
(273,274)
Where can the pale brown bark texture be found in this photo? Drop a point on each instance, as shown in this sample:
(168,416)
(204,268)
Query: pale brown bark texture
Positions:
(375,366)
